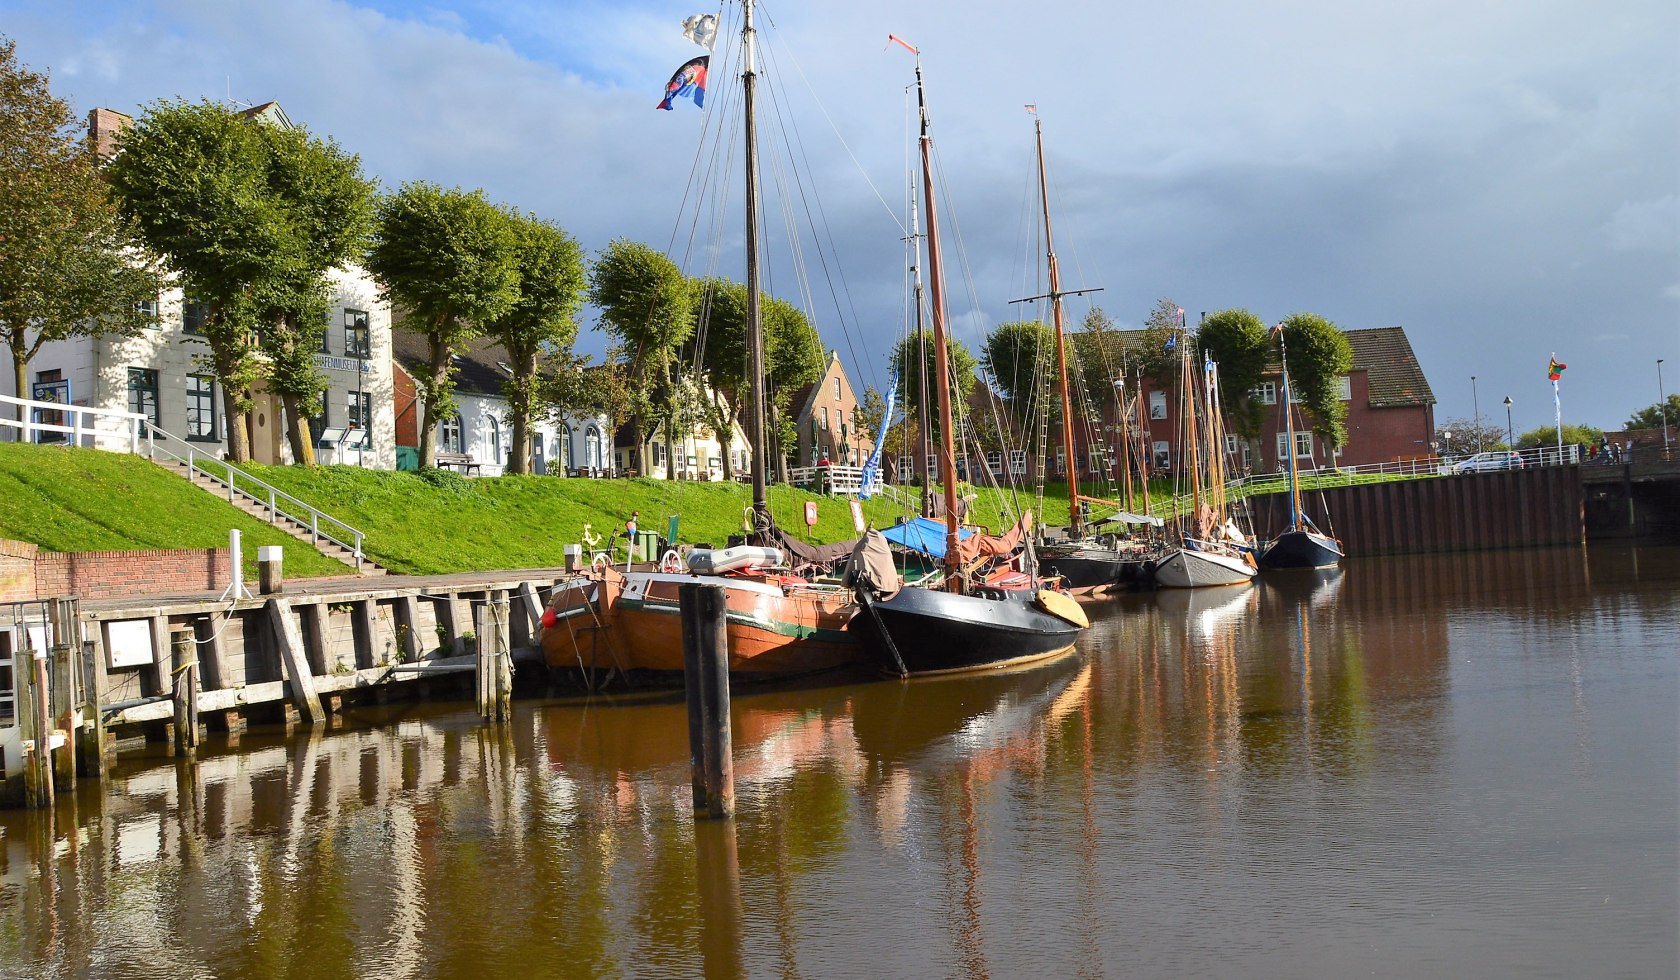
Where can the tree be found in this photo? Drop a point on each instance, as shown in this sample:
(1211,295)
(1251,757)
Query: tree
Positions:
(1545,437)
(1461,436)
(721,335)
(570,385)
(1158,351)
(67,263)
(1098,352)
(1020,357)
(906,361)
(448,259)
(793,358)
(648,308)
(1238,342)
(543,320)
(1651,416)
(1319,354)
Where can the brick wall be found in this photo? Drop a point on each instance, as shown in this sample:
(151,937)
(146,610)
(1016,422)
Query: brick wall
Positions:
(28,573)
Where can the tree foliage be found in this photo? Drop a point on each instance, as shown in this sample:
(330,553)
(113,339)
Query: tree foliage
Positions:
(541,321)
(1652,415)
(448,260)
(1545,437)
(1237,341)
(1158,351)
(1020,358)
(67,262)
(907,361)
(1098,353)
(647,307)
(1319,354)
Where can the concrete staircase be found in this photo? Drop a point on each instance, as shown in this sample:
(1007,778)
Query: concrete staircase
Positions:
(285,522)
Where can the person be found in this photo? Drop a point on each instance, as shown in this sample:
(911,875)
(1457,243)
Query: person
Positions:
(824,478)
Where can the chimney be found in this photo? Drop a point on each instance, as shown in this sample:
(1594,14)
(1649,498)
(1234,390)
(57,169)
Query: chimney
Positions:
(103,127)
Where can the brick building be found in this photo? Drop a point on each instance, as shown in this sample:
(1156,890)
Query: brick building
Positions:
(823,420)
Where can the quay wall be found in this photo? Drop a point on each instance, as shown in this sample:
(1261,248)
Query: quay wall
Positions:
(28,572)
(1469,512)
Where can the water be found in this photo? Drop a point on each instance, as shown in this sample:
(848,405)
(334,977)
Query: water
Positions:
(1439,766)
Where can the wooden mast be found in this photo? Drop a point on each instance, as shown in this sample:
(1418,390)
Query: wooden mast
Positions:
(942,369)
(1289,435)
(924,447)
(1074,517)
(755,326)
(1193,456)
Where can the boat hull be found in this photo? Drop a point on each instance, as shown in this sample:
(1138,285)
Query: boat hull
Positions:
(941,632)
(1301,549)
(633,623)
(1190,569)
(1083,570)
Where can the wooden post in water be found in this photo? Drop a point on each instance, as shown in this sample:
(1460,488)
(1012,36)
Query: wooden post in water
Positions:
(63,708)
(495,669)
(90,738)
(184,669)
(710,630)
(38,786)
(270,567)
(688,605)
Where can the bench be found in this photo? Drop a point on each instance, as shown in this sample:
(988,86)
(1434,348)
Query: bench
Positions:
(463,461)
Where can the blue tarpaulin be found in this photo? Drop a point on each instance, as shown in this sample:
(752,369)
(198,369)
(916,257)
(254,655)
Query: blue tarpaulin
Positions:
(923,534)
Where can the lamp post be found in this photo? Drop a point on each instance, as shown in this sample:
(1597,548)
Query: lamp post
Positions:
(1510,434)
(1662,405)
(1477,402)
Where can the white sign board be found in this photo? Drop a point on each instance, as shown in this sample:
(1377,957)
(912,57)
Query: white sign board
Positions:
(128,643)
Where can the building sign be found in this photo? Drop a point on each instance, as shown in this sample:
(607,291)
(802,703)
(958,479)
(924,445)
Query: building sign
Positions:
(352,364)
(57,392)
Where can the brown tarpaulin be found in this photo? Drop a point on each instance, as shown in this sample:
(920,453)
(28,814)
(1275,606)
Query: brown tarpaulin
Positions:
(805,553)
(995,545)
(872,565)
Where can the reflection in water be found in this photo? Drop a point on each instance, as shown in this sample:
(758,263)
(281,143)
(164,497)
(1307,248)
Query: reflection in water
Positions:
(1464,764)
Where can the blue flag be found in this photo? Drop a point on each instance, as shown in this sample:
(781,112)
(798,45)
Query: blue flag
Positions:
(872,465)
(1172,342)
(689,81)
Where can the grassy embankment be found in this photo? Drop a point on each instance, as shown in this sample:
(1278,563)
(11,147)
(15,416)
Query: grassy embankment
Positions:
(87,500)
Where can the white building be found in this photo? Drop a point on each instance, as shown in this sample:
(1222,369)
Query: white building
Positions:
(481,427)
(698,454)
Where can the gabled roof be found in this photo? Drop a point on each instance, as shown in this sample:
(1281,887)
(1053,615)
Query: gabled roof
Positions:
(480,368)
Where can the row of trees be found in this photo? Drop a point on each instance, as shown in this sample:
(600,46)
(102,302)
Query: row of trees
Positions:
(250,220)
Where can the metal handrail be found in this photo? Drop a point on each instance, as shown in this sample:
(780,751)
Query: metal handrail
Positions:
(130,428)
(278,503)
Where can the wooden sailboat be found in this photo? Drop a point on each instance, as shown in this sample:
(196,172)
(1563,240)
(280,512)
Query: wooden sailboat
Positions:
(1210,550)
(961,626)
(1300,545)
(779,623)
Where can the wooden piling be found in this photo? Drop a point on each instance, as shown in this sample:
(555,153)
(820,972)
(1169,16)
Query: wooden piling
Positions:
(409,648)
(90,737)
(64,716)
(364,626)
(270,562)
(289,638)
(495,667)
(710,628)
(688,606)
(40,772)
(184,670)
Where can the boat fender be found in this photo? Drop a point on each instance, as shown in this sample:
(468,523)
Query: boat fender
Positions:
(1061,607)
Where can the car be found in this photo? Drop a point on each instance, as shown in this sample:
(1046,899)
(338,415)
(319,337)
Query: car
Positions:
(1488,462)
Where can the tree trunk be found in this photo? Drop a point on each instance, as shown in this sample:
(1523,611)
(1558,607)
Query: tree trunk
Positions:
(238,420)
(671,440)
(20,374)
(776,440)
(519,403)
(297,430)
(725,436)
(434,385)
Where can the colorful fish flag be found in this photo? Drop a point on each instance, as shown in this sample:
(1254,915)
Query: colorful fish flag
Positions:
(702,30)
(1554,371)
(688,81)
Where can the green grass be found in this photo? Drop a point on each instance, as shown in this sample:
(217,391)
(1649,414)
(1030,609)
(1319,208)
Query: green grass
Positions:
(88,500)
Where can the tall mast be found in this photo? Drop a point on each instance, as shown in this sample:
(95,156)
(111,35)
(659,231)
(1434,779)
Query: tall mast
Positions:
(925,449)
(1289,434)
(1127,450)
(1075,518)
(942,370)
(1193,456)
(755,328)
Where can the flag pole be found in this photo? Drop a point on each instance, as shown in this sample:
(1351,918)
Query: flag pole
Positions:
(1557,405)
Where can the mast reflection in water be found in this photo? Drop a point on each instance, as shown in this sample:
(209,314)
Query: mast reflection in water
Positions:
(1435,765)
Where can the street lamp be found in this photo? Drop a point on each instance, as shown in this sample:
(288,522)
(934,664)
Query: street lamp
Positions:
(1477,402)
(1662,405)
(1510,437)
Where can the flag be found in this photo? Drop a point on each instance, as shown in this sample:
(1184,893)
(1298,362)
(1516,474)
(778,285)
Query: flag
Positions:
(702,30)
(895,39)
(690,81)
(1172,342)
(1554,371)
(1032,109)
(1277,331)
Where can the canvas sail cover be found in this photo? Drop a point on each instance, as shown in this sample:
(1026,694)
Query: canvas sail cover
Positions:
(872,566)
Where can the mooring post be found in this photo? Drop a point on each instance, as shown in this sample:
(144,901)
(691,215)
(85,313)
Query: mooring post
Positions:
(688,607)
(270,559)
(495,672)
(184,669)
(711,620)
(90,740)
(63,707)
(41,721)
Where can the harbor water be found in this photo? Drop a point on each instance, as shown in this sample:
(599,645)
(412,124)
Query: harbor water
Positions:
(1454,765)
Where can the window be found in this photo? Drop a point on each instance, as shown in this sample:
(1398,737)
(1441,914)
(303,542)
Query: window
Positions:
(1344,388)
(193,316)
(50,386)
(932,464)
(201,407)
(1157,404)
(148,309)
(658,454)
(356,343)
(143,392)
(994,462)
(1303,445)
(591,446)
(1095,459)
(836,389)
(825,418)
(495,439)
(563,446)
(1061,461)
(1265,393)
(326,331)
(1230,444)
(1017,461)
(359,414)
(449,434)
(906,467)
(1161,454)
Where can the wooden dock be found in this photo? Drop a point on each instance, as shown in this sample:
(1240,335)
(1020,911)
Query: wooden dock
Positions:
(89,675)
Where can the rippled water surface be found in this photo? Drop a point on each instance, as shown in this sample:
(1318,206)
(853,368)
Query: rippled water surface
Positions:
(1443,766)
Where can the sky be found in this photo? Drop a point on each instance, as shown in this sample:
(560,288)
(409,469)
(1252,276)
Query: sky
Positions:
(1500,177)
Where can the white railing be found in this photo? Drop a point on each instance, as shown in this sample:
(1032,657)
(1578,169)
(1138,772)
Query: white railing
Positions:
(279,504)
(833,479)
(72,425)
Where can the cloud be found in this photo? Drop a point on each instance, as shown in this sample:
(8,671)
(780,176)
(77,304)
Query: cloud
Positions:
(1645,225)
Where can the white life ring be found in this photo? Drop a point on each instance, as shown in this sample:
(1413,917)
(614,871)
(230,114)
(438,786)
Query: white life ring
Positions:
(600,564)
(671,562)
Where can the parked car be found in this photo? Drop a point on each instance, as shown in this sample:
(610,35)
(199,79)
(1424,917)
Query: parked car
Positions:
(1488,462)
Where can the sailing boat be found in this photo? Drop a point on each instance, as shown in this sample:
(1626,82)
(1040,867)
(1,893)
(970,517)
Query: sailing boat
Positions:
(959,626)
(1085,565)
(779,623)
(1212,550)
(1300,545)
